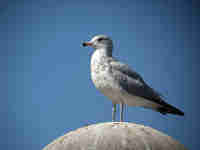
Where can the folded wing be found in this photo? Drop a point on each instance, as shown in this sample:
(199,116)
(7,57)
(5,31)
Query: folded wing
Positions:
(133,83)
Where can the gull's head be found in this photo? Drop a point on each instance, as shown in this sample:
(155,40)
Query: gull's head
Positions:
(100,42)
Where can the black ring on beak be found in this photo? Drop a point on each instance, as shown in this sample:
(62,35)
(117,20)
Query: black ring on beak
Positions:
(84,44)
(87,44)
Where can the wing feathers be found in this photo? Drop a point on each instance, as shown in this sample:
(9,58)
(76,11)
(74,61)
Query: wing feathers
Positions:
(133,83)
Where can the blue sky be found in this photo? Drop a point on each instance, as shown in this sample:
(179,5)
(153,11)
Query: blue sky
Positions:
(46,89)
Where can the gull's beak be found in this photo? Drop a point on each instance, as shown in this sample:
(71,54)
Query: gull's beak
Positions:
(87,44)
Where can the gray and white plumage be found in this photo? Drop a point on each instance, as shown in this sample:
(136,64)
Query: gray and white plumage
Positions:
(119,82)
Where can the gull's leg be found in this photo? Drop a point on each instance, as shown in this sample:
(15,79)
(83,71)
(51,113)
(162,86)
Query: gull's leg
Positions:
(121,112)
(113,112)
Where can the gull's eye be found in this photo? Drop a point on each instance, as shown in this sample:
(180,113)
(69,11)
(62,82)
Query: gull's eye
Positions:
(100,39)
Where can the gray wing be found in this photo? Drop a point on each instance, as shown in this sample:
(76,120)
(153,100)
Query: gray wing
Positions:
(133,83)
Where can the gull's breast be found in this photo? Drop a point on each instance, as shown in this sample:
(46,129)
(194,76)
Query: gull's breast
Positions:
(104,81)
(107,86)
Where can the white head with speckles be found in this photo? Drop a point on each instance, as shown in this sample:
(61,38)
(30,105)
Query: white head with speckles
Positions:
(100,42)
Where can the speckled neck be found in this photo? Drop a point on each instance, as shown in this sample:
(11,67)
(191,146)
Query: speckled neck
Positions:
(99,59)
(105,52)
(100,55)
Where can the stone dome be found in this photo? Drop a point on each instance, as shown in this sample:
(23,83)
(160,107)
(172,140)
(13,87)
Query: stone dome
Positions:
(115,136)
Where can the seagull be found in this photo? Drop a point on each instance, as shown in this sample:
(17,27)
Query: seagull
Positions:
(120,83)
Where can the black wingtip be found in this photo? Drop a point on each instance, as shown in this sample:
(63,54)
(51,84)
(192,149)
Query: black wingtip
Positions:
(170,110)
